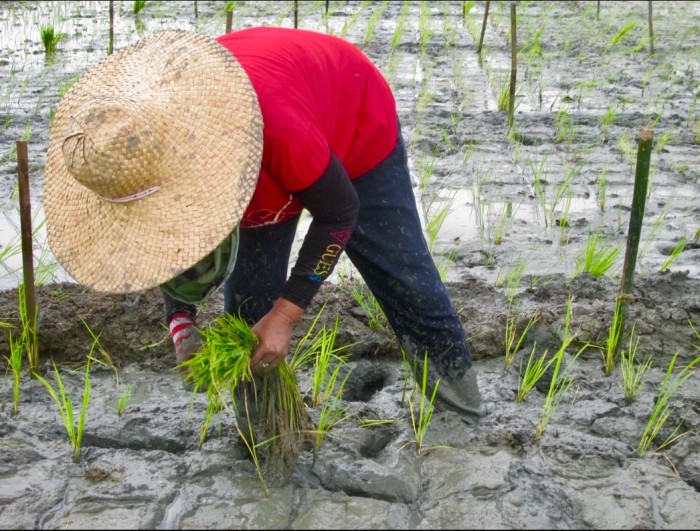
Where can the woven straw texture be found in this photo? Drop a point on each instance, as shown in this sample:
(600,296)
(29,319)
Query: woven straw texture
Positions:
(174,111)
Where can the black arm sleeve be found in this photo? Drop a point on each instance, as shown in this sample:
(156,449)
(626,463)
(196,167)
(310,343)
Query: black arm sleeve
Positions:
(333,205)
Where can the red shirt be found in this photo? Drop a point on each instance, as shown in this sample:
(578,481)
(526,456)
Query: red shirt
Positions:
(317,93)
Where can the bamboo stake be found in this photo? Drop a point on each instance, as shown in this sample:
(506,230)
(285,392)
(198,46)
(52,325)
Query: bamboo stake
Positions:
(513,63)
(651,32)
(641,179)
(296,14)
(229,21)
(196,12)
(327,2)
(110,49)
(483,29)
(25,214)
(597,11)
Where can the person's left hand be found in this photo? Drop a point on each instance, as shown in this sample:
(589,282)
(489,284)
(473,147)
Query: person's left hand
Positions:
(274,333)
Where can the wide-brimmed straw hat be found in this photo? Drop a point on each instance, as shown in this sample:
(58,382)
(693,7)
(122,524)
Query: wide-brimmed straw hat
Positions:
(152,159)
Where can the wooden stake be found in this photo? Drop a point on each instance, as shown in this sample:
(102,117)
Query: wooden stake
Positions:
(641,179)
(196,12)
(110,48)
(25,215)
(483,29)
(296,14)
(229,21)
(513,63)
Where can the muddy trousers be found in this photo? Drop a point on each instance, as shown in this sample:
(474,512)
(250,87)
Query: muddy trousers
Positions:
(390,252)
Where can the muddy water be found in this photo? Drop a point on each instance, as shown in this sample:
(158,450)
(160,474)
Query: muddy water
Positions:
(587,84)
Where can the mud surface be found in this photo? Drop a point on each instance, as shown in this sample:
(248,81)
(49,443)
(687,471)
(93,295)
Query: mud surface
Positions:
(587,85)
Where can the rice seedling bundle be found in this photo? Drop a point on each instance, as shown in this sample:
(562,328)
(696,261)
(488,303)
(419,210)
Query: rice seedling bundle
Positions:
(223,364)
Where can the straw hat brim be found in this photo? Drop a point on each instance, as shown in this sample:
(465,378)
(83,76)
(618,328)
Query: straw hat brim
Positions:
(194,91)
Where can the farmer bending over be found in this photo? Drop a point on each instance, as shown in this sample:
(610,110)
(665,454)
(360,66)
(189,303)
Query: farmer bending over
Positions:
(185,162)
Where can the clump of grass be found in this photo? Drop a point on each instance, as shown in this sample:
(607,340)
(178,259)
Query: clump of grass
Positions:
(596,257)
(534,370)
(14,363)
(662,409)
(50,39)
(368,302)
(422,413)
(513,341)
(125,398)
(65,407)
(561,380)
(633,374)
(222,365)
(675,253)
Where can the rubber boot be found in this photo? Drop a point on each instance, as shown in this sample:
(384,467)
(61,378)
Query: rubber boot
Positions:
(461,396)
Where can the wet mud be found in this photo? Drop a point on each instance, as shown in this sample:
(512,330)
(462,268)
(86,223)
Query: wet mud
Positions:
(508,252)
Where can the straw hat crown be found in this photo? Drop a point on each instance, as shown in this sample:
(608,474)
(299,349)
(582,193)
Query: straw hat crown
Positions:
(152,159)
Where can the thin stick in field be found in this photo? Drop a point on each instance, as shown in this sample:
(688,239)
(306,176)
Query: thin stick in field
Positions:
(25,213)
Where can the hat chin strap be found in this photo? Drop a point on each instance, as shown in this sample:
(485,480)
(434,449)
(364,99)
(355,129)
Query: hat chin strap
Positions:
(132,197)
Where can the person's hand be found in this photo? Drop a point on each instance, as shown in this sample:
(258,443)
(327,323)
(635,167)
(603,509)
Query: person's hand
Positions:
(274,333)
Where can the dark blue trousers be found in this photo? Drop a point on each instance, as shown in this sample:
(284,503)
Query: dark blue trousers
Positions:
(390,252)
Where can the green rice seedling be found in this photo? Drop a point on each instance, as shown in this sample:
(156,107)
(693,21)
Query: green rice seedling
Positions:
(563,221)
(512,278)
(614,335)
(422,414)
(371,423)
(398,32)
(426,169)
(633,373)
(662,409)
(534,370)
(307,347)
(655,227)
(332,410)
(675,253)
(351,21)
(368,302)
(28,336)
(224,363)
(138,6)
(322,364)
(513,341)
(372,23)
(559,383)
(65,407)
(563,190)
(564,128)
(597,257)
(602,184)
(215,404)
(125,398)
(626,149)
(436,219)
(14,363)
(106,359)
(662,141)
(608,118)
(50,39)
(284,420)
(621,34)
(504,221)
